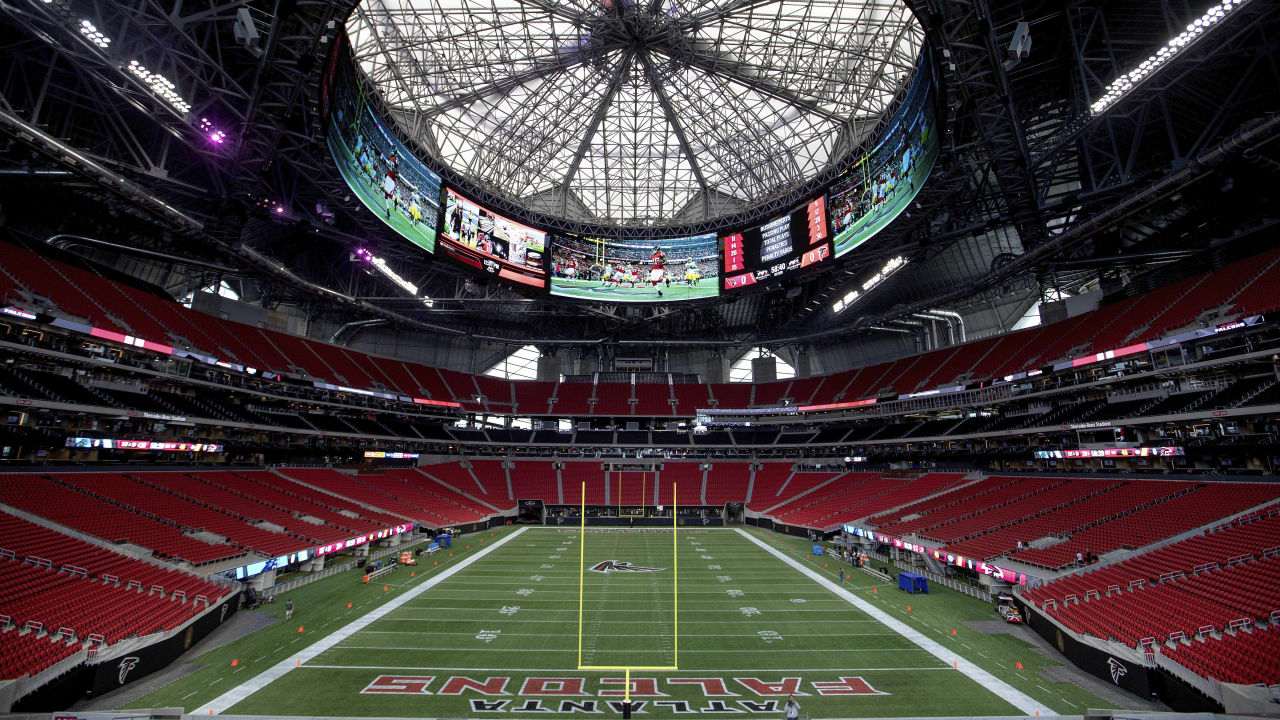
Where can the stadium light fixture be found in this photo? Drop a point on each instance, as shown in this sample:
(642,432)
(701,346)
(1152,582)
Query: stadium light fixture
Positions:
(216,136)
(162,87)
(381,266)
(94,35)
(853,296)
(1131,80)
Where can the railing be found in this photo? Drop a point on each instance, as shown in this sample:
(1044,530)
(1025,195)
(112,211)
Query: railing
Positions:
(336,569)
(934,577)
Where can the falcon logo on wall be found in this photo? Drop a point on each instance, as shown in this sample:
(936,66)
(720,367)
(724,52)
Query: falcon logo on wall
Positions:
(1118,670)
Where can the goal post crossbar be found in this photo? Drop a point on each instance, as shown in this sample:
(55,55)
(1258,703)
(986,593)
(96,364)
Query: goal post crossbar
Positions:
(675,588)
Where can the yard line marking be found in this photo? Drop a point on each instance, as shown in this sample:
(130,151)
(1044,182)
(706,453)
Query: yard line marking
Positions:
(730,672)
(474,649)
(643,635)
(193,692)
(223,702)
(264,657)
(1069,702)
(752,623)
(1000,688)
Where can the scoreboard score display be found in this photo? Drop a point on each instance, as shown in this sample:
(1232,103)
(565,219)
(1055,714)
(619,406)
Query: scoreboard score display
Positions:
(777,248)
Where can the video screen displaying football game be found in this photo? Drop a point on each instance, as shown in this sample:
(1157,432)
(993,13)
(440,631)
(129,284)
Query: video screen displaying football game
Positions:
(390,181)
(779,247)
(883,183)
(615,270)
(477,236)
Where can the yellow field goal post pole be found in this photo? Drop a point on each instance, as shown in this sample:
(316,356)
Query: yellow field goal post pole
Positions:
(675,591)
(644,485)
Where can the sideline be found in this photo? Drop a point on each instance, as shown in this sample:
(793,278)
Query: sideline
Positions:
(1000,688)
(225,701)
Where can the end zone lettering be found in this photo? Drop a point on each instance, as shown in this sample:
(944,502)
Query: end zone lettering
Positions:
(542,687)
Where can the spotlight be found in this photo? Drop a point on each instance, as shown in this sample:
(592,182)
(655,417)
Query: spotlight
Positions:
(160,86)
(1125,84)
(216,136)
(95,36)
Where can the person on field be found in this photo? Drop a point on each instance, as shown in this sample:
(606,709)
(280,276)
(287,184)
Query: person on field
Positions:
(288,609)
(792,708)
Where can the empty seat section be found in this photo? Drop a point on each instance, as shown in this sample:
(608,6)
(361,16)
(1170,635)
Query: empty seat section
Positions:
(575,473)
(731,395)
(495,390)
(309,483)
(653,399)
(299,355)
(1247,657)
(396,374)
(1048,497)
(488,484)
(687,478)
(1198,505)
(270,488)
(690,397)
(802,390)
(769,480)
(851,501)
(207,490)
(613,399)
(189,514)
(770,394)
(1263,293)
(532,397)
(728,482)
(535,480)
(347,486)
(572,397)
(32,543)
(103,519)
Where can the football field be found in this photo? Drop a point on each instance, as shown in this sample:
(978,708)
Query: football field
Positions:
(592,290)
(755,617)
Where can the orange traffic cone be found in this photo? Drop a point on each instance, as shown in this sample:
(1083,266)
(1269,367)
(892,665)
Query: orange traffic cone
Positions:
(348,606)
(482,541)
(450,554)
(908,608)
(300,628)
(953,631)
(1018,665)
(955,664)
(235,662)
(875,591)
(385,588)
(413,573)
(824,564)
(437,562)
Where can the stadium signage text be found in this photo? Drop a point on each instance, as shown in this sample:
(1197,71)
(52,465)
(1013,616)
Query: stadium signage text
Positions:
(1002,574)
(572,694)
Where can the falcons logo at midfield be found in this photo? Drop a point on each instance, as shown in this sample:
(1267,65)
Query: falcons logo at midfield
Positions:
(609,566)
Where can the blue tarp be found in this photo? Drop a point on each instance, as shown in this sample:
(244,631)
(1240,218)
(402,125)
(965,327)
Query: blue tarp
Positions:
(817,549)
(913,583)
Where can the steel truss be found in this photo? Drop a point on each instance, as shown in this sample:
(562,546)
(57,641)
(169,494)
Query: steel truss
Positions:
(1022,158)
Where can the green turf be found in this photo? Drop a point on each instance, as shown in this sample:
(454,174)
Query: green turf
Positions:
(469,626)
(592,290)
(865,227)
(422,234)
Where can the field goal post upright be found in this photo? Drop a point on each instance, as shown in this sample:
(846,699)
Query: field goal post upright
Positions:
(644,484)
(675,595)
